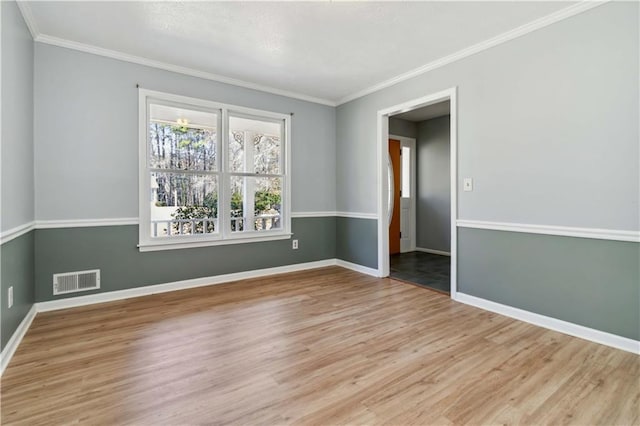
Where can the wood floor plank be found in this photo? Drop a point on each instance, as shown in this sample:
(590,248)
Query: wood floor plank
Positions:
(320,347)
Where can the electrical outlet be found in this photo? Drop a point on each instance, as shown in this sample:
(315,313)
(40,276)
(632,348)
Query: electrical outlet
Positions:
(294,244)
(10,297)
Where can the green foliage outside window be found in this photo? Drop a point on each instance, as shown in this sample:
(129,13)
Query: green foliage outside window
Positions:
(265,201)
(175,147)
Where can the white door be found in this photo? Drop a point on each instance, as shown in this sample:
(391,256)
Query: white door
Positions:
(408,195)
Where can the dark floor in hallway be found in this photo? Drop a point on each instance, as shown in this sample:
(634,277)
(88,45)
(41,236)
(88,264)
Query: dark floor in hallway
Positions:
(426,269)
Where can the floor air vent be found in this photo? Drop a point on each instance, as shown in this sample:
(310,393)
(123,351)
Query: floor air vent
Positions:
(71,282)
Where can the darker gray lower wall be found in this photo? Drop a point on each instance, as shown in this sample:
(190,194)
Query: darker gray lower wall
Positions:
(17,271)
(433,184)
(113,250)
(357,241)
(594,283)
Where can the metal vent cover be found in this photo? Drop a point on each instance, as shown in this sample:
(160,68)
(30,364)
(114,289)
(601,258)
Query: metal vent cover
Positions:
(71,282)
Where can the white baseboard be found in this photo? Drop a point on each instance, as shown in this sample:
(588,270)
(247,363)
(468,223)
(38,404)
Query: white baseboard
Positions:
(432,251)
(565,327)
(357,268)
(12,344)
(111,296)
(586,333)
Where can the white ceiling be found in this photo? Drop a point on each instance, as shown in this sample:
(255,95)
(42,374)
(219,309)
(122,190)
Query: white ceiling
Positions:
(329,51)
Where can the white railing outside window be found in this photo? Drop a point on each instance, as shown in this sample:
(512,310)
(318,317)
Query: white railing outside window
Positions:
(174,227)
(178,227)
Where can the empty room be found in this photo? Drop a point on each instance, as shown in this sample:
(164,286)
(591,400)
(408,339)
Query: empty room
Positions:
(207,209)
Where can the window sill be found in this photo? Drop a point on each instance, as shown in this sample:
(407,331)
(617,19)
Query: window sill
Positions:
(165,245)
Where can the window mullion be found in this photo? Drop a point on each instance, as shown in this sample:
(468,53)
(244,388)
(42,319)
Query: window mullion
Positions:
(224,198)
(249,183)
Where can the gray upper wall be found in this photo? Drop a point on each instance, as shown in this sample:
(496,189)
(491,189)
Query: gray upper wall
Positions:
(433,185)
(548,126)
(86,134)
(17,119)
(400,127)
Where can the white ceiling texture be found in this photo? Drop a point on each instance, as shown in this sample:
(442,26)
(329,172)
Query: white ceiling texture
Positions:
(327,52)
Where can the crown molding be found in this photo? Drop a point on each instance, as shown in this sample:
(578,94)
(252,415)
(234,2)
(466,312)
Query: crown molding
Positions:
(25,9)
(532,26)
(113,54)
(39,37)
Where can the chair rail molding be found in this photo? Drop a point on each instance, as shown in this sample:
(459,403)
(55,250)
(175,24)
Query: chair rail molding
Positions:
(564,231)
(15,232)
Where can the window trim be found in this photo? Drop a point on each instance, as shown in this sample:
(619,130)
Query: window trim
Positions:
(222,236)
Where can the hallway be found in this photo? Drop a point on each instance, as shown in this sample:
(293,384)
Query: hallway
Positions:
(425,269)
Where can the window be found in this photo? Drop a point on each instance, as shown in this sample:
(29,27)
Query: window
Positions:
(406,172)
(211,173)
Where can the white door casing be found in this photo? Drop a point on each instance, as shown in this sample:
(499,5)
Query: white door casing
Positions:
(382,147)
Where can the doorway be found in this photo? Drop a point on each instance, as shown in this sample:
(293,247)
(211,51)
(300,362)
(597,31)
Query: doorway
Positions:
(399,208)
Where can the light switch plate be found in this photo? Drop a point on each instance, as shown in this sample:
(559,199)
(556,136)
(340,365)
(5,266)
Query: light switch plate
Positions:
(468,185)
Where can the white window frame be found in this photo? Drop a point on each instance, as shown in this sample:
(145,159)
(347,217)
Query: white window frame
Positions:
(223,235)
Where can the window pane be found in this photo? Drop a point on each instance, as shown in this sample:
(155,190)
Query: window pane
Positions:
(183,204)
(254,146)
(256,204)
(236,151)
(182,139)
(406,172)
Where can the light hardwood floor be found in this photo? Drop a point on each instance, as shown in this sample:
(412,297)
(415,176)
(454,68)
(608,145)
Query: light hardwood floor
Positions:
(321,347)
